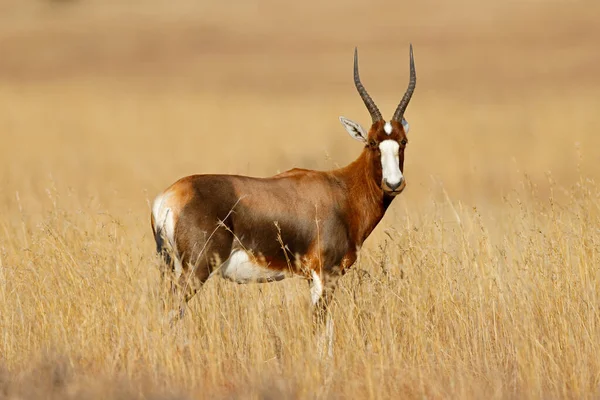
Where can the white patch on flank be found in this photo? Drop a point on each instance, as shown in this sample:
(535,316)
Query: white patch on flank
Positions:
(388,128)
(165,221)
(316,288)
(390,162)
(240,268)
(406,125)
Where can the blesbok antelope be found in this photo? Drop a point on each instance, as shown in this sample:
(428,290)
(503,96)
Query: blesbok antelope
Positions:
(298,223)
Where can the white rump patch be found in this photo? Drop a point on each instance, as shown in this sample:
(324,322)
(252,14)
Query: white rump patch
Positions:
(354,129)
(316,288)
(390,161)
(388,128)
(164,220)
(240,268)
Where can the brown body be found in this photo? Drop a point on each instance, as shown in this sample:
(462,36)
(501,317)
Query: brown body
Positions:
(301,222)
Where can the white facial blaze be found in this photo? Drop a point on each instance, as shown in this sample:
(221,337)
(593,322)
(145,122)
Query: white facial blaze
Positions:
(390,162)
(388,128)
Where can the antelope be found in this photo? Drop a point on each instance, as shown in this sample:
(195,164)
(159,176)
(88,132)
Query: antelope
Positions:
(301,222)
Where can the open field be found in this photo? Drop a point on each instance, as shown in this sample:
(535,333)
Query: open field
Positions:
(482,281)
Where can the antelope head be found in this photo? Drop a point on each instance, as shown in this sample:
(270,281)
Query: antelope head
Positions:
(385,141)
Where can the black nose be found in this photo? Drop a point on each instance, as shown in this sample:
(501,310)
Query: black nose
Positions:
(395,185)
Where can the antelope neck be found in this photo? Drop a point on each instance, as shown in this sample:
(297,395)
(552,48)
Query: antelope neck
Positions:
(367,200)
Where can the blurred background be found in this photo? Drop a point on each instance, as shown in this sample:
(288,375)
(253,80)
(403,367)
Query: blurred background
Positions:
(111,101)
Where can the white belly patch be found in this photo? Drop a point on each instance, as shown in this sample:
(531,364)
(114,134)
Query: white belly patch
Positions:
(240,268)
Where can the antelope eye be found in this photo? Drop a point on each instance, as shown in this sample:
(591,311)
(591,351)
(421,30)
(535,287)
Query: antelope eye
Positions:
(404,142)
(372,143)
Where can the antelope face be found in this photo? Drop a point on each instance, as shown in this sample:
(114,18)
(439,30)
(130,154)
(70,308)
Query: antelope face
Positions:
(390,147)
(386,142)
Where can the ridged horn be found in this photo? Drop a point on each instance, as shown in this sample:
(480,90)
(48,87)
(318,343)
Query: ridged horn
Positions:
(373,110)
(399,114)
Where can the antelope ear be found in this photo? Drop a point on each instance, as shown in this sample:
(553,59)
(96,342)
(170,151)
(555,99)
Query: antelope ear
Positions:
(354,129)
(405,125)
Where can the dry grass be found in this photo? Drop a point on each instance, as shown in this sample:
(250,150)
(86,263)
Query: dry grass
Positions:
(482,281)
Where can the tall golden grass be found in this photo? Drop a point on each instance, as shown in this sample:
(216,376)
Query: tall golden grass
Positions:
(482,281)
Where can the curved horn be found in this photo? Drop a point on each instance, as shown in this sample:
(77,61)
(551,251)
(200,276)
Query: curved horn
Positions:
(399,114)
(373,110)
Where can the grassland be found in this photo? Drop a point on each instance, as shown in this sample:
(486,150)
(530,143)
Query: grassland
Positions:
(482,281)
